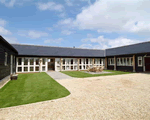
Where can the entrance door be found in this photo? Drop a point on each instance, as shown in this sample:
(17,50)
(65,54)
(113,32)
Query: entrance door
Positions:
(51,64)
(11,64)
(147,64)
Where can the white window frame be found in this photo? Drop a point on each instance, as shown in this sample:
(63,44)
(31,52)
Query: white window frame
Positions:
(110,61)
(140,58)
(124,61)
(6,59)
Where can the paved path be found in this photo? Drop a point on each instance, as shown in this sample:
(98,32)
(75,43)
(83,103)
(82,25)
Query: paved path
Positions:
(58,75)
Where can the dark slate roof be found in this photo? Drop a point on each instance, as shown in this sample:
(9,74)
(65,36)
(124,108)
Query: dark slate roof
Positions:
(10,46)
(33,50)
(129,49)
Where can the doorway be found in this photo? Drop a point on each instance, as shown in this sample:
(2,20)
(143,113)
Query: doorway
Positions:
(147,64)
(51,64)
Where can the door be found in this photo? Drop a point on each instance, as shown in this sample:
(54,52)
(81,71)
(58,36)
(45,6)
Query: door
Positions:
(147,64)
(11,64)
(51,64)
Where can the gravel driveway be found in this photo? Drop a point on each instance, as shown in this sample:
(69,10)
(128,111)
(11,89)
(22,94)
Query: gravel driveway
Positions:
(111,97)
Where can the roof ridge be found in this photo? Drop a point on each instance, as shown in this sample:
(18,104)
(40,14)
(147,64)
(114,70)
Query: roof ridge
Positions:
(129,45)
(55,46)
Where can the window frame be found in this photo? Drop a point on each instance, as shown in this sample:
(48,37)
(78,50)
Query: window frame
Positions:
(111,61)
(6,59)
(140,58)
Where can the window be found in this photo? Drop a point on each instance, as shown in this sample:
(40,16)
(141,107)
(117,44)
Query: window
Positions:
(111,61)
(6,58)
(14,60)
(125,61)
(72,61)
(19,69)
(128,62)
(25,61)
(43,61)
(80,61)
(118,61)
(26,69)
(37,61)
(31,69)
(87,62)
(19,61)
(31,61)
(63,61)
(36,68)
(43,68)
(140,64)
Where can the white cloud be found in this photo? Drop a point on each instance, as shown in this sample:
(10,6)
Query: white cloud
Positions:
(2,22)
(103,43)
(69,3)
(59,40)
(3,31)
(67,32)
(11,39)
(50,6)
(8,3)
(114,16)
(33,34)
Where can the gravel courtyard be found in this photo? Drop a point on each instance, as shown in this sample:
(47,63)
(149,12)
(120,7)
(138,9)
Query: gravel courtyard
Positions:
(112,97)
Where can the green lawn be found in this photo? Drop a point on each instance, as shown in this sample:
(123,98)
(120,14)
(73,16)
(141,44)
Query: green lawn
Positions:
(31,88)
(81,74)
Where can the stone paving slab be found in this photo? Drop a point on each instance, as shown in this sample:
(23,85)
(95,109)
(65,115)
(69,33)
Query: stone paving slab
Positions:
(58,75)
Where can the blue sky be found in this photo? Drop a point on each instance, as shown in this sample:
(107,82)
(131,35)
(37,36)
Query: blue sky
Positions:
(96,24)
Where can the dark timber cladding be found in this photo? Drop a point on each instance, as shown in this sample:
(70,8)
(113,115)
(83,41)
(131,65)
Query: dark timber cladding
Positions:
(5,47)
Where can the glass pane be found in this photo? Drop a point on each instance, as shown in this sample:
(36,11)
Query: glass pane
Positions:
(71,67)
(26,69)
(63,67)
(19,69)
(121,61)
(80,61)
(19,61)
(31,61)
(72,61)
(31,69)
(131,61)
(43,68)
(37,61)
(63,61)
(36,68)
(80,67)
(87,61)
(140,62)
(25,61)
(43,61)
(75,61)
(128,61)
(75,67)
(58,62)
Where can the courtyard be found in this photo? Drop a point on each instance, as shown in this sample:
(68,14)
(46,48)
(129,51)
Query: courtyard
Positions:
(124,96)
